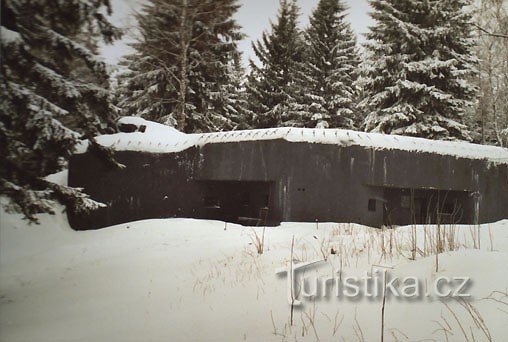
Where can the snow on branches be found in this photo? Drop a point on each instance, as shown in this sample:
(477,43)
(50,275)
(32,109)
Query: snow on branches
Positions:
(54,93)
(418,69)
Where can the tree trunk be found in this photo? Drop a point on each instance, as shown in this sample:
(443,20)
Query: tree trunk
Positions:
(184,47)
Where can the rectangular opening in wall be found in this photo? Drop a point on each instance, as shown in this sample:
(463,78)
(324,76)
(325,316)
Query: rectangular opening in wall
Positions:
(372,204)
(249,203)
(426,206)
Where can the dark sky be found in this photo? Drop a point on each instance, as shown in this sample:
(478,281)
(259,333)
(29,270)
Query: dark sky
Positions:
(254,16)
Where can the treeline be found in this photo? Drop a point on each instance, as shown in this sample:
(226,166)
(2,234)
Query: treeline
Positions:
(418,73)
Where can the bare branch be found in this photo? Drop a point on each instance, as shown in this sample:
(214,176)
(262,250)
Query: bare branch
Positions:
(492,34)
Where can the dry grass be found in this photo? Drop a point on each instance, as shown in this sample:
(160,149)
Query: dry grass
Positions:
(258,241)
(456,324)
(347,245)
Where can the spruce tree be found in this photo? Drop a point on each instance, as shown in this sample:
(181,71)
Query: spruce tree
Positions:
(331,67)
(181,65)
(274,87)
(235,99)
(47,104)
(420,57)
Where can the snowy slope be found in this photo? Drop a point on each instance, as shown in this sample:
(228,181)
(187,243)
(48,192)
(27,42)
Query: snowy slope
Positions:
(163,139)
(191,280)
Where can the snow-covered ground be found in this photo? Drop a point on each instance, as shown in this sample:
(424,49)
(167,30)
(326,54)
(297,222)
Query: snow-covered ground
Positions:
(192,280)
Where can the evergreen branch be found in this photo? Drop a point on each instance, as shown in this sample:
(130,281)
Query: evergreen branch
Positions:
(105,153)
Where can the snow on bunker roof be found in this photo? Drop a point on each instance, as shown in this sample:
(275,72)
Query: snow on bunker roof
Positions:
(158,138)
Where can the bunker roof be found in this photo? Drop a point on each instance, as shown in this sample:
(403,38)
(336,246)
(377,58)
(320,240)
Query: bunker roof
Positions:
(158,138)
